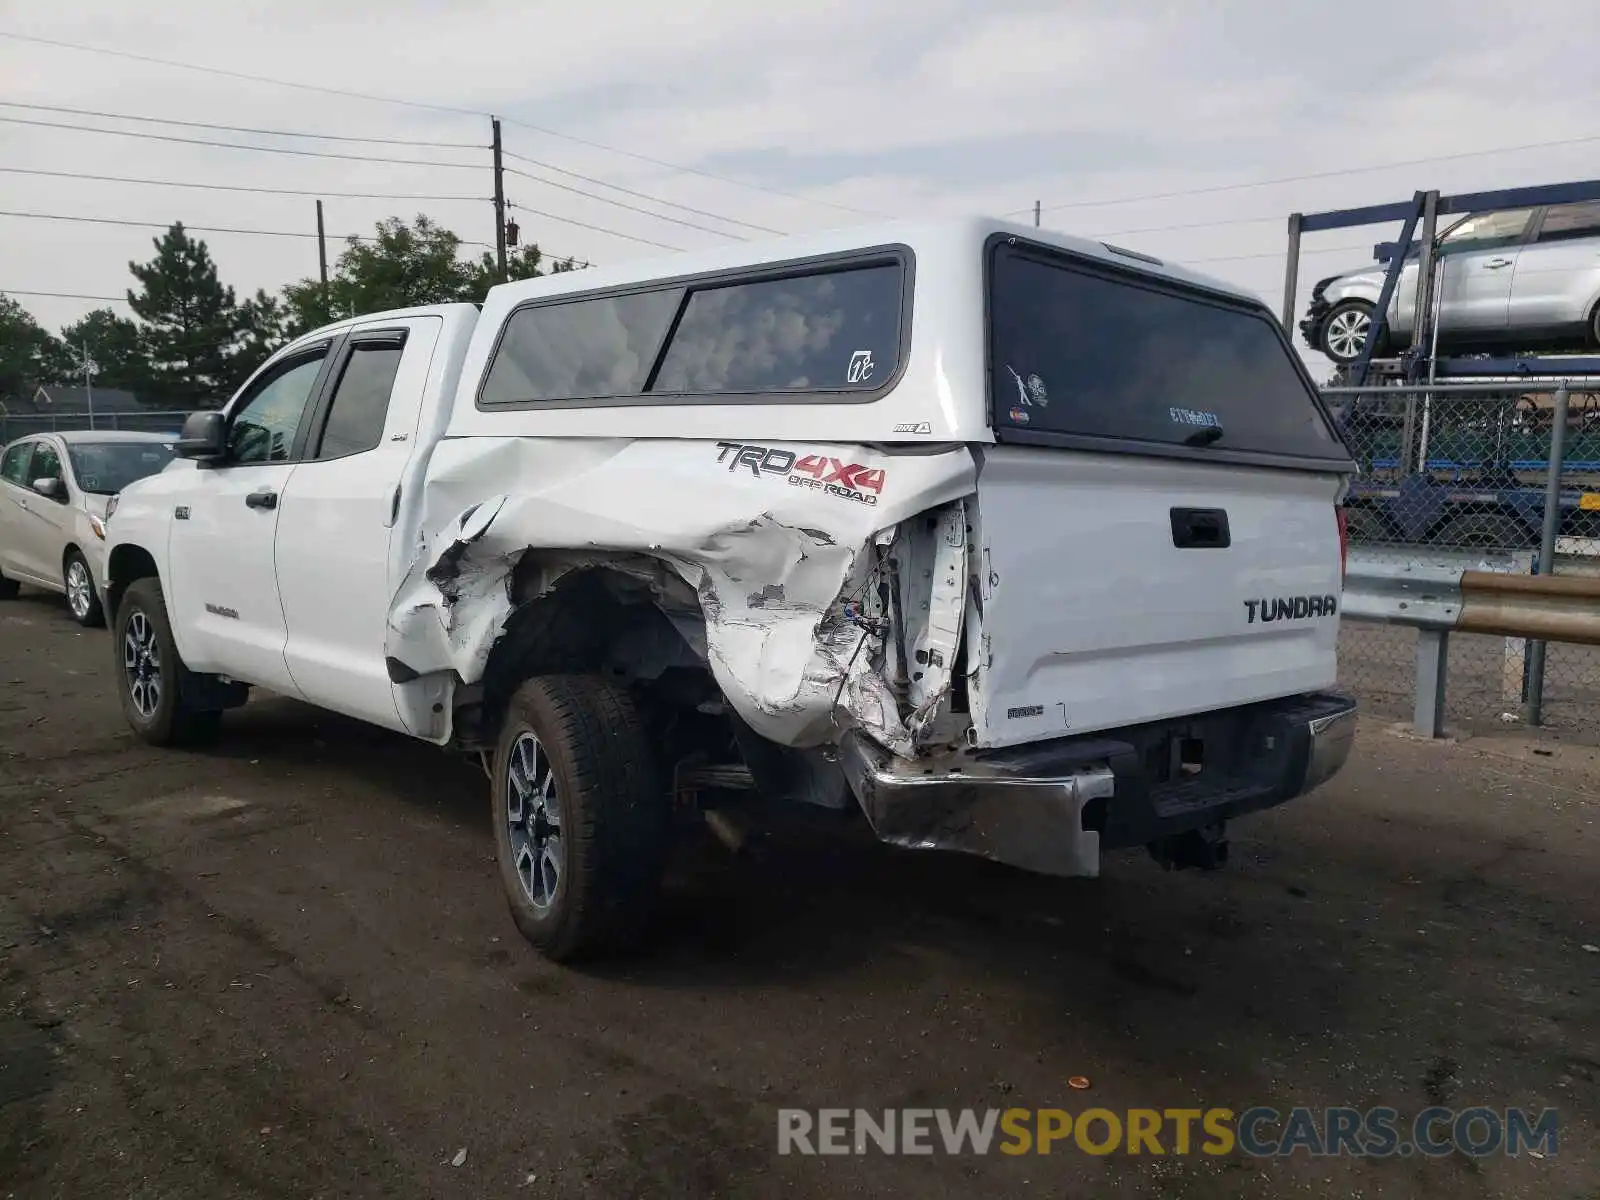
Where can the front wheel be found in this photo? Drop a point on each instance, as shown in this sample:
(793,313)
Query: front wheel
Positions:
(1345,331)
(83,601)
(9,588)
(151,678)
(580,816)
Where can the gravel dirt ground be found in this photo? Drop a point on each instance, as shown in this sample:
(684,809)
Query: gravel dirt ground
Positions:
(283,968)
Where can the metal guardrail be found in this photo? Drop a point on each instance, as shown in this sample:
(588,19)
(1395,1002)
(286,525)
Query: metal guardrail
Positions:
(1440,592)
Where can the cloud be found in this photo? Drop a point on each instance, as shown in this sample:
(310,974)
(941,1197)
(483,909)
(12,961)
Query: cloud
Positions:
(943,107)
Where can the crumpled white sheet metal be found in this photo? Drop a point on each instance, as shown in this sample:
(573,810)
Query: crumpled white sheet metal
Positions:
(771,551)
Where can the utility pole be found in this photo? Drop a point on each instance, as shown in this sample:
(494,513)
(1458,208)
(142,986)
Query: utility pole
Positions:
(322,251)
(1036,211)
(499,202)
(90,369)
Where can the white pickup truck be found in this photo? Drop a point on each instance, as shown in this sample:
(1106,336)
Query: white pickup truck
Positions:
(1027,546)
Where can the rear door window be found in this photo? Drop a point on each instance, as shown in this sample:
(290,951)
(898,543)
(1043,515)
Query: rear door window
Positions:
(361,399)
(1565,222)
(14,466)
(829,332)
(833,329)
(1082,351)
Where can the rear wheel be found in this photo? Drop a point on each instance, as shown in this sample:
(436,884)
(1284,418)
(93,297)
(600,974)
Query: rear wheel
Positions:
(82,599)
(1345,331)
(151,678)
(9,588)
(580,816)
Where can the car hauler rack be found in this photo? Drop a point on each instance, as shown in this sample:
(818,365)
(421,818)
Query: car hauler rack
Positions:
(1420,216)
(1461,452)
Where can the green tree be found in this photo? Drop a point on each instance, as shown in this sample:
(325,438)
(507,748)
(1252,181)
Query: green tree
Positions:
(523,262)
(29,355)
(117,347)
(404,264)
(263,327)
(191,321)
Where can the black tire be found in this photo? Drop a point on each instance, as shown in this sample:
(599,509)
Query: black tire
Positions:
(610,807)
(171,720)
(1367,528)
(93,615)
(9,588)
(1491,529)
(1328,336)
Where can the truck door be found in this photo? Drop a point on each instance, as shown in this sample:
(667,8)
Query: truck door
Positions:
(223,591)
(338,567)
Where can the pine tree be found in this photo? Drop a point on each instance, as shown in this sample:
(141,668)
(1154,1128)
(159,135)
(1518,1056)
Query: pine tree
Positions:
(29,356)
(191,322)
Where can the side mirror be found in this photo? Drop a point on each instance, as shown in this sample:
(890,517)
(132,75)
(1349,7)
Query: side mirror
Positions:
(204,437)
(50,489)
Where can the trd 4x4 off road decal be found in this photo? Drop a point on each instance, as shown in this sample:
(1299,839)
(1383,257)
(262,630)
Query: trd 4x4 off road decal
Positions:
(853,481)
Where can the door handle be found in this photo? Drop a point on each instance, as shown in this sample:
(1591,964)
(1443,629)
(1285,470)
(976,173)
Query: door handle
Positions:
(1494,264)
(1200,529)
(262,499)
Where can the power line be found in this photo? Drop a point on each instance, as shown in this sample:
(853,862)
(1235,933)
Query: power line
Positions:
(534,162)
(288,233)
(321,137)
(227,74)
(679,167)
(167,137)
(1255,183)
(420,104)
(1277,254)
(62,295)
(585,225)
(622,204)
(231,187)
(1278,217)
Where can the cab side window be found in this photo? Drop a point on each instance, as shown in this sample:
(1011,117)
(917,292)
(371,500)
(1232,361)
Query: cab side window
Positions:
(263,428)
(14,466)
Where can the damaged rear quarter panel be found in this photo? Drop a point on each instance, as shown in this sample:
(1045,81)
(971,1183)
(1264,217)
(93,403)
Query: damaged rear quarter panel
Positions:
(772,537)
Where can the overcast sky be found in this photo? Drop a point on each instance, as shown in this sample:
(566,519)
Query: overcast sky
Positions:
(852,109)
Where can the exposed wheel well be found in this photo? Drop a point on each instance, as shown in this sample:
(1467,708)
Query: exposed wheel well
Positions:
(595,620)
(127,564)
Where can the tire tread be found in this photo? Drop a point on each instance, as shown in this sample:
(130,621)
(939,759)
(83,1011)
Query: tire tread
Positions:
(615,816)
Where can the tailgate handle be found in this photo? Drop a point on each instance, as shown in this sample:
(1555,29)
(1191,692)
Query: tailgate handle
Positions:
(1200,528)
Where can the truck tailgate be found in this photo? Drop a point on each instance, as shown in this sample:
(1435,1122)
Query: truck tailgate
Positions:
(1116,589)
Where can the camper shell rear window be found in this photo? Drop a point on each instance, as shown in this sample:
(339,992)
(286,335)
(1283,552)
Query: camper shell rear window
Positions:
(1089,355)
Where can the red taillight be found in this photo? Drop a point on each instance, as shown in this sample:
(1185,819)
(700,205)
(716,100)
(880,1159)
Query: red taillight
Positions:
(1344,540)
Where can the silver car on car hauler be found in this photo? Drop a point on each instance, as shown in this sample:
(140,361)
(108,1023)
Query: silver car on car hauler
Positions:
(1519,279)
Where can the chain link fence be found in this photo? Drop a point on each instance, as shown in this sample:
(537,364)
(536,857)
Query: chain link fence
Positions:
(1472,469)
(15,425)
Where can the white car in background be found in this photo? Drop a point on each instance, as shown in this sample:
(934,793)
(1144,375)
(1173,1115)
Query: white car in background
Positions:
(54,488)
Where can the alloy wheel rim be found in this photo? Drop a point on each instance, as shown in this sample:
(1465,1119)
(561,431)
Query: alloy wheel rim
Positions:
(1347,333)
(141,664)
(78,588)
(533,821)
